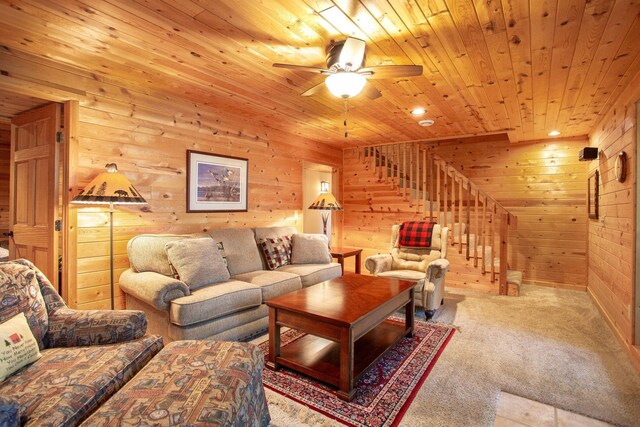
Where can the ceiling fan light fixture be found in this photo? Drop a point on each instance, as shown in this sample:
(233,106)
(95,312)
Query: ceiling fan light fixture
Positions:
(345,84)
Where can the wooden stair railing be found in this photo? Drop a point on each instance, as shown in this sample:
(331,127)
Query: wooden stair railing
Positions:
(444,194)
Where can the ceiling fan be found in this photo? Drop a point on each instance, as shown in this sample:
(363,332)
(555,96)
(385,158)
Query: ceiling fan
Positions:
(346,74)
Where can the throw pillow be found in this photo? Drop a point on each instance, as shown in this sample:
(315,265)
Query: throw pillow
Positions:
(276,251)
(310,249)
(18,346)
(197,261)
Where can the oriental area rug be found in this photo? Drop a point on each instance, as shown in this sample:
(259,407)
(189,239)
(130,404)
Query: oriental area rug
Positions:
(383,393)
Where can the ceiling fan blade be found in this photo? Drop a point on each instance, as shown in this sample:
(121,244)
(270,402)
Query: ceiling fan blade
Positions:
(313,90)
(390,71)
(301,68)
(371,92)
(352,54)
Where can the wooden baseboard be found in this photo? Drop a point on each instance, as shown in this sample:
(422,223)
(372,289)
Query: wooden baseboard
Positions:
(632,351)
(581,288)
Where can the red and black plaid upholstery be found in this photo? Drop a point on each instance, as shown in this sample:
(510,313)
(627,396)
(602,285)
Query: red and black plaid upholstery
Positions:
(416,234)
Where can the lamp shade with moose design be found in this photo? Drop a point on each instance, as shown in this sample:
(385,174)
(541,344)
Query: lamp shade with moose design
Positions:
(110,187)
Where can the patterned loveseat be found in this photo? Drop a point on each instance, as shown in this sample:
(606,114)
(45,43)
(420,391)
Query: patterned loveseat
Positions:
(87,356)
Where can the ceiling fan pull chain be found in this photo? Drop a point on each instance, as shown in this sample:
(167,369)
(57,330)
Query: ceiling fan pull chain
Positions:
(346,133)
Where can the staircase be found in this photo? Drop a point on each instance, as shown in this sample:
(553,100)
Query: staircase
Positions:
(478,224)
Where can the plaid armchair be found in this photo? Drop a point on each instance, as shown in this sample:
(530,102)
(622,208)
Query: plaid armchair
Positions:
(86,355)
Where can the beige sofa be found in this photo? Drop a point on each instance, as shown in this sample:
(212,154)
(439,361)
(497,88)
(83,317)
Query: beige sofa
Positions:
(231,310)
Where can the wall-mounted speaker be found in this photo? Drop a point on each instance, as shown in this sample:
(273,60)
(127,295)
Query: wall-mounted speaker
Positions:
(588,153)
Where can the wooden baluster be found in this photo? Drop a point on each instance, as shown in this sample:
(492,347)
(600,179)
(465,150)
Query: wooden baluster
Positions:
(438,195)
(468,229)
(484,235)
(424,181)
(492,241)
(445,191)
(386,164)
(504,236)
(476,229)
(410,173)
(417,175)
(431,186)
(392,166)
(452,210)
(372,159)
(404,170)
(460,216)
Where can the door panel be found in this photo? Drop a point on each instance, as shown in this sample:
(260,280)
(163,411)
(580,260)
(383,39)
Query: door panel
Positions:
(34,188)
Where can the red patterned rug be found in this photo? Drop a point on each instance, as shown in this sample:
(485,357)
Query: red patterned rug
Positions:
(383,394)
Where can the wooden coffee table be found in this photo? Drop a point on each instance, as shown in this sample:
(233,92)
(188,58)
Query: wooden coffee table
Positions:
(346,326)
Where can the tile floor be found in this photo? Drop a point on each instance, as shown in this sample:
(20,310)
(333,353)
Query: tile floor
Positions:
(516,411)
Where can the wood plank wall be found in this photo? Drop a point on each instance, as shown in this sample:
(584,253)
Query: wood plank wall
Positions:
(5,149)
(147,134)
(544,185)
(612,236)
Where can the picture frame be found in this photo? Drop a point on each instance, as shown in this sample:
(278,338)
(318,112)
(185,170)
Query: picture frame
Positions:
(216,183)
(592,194)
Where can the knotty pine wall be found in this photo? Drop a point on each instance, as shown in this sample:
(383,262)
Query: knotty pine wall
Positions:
(156,164)
(5,150)
(147,133)
(543,184)
(612,236)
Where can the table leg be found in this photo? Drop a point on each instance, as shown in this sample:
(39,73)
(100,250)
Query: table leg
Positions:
(409,311)
(358,263)
(341,261)
(274,340)
(346,391)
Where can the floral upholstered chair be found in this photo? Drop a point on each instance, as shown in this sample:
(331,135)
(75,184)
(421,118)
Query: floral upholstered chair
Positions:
(424,264)
(86,356)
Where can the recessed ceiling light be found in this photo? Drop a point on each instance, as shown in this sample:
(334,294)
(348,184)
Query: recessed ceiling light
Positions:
(554,133)
(426,122)
(418,111)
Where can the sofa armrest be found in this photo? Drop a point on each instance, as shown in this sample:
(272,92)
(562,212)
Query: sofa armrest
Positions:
(9,412)
(437,269)
(152,288)
(75,328)
(377,264)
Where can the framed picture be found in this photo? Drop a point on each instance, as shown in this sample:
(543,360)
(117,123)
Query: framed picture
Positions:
(592,195)
(216,183)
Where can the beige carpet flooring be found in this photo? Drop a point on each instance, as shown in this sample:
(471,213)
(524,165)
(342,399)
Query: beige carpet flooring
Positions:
(549,345)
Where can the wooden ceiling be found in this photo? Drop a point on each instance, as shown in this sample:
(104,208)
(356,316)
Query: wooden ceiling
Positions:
(516,66)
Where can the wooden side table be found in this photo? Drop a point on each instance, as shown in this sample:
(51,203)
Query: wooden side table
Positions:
(341,253)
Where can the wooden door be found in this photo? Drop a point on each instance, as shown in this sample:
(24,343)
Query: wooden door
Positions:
(33,207)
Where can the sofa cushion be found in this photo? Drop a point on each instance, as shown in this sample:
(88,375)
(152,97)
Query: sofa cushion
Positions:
(272,283)
(197,261)
(311,274)
(310,249)
(67,384)
(240,249)
(214,301)
(18,346)
(276,251)
(193,383)
(147,252)
(266,232)
(20,293)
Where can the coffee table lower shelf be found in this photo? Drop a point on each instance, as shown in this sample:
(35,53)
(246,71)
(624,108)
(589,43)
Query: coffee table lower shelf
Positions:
(320,358)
